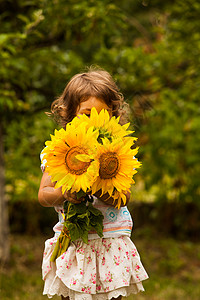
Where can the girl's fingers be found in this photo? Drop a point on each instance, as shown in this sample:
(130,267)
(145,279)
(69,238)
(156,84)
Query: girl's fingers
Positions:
(81,199)
(74,200)
(72,197)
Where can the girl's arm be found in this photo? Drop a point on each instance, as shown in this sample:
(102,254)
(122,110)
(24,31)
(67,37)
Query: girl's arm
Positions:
(49,196)
(109,200)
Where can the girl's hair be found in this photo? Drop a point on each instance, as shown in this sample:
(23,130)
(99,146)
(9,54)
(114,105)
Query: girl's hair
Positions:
(93,83)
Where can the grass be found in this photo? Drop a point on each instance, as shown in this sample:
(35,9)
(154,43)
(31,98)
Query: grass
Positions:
(173,267)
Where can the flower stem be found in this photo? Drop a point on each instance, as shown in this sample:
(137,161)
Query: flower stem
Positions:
(62,244)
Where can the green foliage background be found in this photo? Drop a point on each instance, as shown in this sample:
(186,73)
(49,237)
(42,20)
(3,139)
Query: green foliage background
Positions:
(152,50)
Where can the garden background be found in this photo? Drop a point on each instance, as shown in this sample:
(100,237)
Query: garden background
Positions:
(152,49)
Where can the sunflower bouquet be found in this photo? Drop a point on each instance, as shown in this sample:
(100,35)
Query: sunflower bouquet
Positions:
(92,154)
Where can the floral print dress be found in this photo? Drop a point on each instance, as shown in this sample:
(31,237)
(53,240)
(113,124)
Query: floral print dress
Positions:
(105,268)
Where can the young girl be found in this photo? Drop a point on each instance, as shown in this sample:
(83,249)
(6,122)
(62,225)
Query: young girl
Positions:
(108,267)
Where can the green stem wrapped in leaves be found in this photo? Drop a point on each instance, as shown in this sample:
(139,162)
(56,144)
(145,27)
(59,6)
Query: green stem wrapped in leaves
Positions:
(61,244)
(79,220)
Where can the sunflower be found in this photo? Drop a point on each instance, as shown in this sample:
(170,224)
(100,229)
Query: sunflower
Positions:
(64,165)
(117,165)
(108,127)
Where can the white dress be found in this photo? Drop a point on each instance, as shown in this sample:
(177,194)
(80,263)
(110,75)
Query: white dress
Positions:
(105,268)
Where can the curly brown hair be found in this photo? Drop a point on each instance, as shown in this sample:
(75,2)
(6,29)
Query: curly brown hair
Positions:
(93,83)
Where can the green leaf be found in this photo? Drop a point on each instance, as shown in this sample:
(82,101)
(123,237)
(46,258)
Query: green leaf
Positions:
(73,230)
(80,194)
(94,210)
(71,209)
(84,233)
(99,228)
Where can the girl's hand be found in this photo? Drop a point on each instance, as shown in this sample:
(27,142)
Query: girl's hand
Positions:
(72,197)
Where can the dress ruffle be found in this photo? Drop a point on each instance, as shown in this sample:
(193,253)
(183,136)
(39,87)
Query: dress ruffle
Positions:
(105,268)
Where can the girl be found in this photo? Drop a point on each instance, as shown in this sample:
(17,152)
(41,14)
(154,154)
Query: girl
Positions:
(108,267)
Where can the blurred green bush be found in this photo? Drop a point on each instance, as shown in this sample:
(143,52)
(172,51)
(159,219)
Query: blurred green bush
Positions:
(151,49)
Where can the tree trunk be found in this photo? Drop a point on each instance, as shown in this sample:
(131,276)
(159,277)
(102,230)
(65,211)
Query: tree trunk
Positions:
(4,224)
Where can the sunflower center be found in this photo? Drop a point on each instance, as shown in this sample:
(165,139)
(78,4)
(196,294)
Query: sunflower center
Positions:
(109,165)
(74,165)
